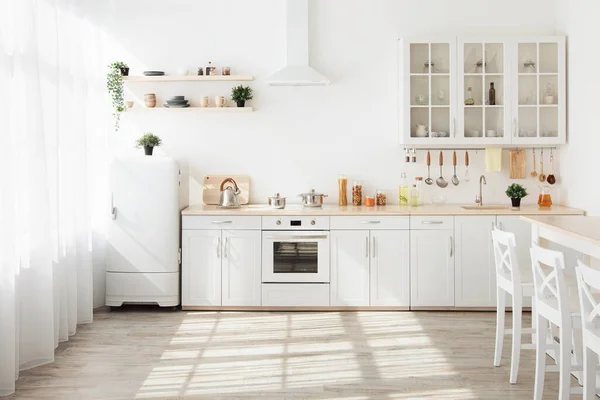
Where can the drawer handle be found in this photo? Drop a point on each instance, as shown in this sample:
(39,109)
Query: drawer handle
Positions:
(432,222)
(451,246)
(371,222)
(222,222)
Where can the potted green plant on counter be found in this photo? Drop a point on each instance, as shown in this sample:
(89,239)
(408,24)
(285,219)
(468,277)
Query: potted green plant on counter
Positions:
(240,94)
(516,192)
(149,141)
(114,82)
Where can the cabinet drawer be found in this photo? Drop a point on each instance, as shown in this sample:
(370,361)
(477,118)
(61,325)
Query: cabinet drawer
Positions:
(369,222)
(431,222)
(295,295)
(221,222)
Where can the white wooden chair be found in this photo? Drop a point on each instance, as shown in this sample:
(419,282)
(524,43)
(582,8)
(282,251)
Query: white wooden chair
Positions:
(553,305)
(588,279)
(510,279)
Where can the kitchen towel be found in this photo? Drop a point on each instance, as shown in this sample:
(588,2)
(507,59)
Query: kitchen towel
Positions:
(493,160)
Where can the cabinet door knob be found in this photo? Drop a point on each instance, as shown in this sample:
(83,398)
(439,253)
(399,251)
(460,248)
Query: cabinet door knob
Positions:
(278,222)
(312,222)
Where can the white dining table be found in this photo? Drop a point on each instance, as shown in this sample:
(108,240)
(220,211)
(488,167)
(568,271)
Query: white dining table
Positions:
(579,233)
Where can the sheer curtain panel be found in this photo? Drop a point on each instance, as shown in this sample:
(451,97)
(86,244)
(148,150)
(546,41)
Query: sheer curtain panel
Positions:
(52,117)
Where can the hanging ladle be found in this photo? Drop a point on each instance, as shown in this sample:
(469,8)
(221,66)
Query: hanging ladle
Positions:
(455,180)
(441,182)
(429,181)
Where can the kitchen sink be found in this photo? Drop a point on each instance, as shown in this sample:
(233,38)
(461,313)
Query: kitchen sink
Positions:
(484,207)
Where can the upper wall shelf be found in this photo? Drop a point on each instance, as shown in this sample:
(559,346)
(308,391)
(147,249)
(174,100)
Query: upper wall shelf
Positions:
(189,78)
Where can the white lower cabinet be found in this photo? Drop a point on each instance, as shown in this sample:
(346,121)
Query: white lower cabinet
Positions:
(349,268)
(201,268)
(432,268)
(390,268)
(370,268)
(241,268)
(475,273)
(221,267)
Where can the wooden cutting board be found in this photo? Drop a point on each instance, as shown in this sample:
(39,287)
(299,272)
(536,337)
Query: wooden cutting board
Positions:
(518,165)
(212,183)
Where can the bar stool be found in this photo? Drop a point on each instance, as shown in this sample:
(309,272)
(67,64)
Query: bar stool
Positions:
(588,279)
(553,305)
(510,279)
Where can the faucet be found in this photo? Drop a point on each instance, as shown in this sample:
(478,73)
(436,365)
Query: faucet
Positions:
(479,199)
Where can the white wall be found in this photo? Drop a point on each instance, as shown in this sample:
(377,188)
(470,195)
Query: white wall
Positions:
(578,20)
(299,138)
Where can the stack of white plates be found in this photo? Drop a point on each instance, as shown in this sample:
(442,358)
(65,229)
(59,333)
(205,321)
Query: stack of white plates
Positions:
(177,102)
(154,73)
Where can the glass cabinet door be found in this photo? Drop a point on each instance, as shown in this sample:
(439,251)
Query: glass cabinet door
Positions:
(539,103)
(483,76)
(430,91)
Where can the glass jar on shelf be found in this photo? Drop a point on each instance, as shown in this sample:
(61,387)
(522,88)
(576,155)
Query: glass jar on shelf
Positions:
(356,193)
(381,198)
(545,198)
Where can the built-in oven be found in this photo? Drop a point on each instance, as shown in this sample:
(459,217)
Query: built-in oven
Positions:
(295,250)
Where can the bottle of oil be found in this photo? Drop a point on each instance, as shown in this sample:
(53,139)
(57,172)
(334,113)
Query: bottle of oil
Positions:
(403,192)
(492,95)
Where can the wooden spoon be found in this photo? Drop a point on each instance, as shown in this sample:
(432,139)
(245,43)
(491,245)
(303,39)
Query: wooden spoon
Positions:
(467,178)
(533,173)
(542,177)
(551,179)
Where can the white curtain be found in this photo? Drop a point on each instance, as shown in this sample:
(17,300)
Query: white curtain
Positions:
(52,127)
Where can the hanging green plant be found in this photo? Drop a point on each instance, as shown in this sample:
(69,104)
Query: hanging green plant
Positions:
(114,82)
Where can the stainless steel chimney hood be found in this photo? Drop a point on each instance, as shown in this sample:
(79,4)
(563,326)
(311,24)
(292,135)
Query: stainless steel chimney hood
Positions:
(297,72)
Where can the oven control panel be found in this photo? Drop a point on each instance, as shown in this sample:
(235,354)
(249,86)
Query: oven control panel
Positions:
(293,223)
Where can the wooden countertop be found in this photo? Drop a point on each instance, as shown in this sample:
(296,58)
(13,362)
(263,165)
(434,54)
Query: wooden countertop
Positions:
(390,210)
(578,226)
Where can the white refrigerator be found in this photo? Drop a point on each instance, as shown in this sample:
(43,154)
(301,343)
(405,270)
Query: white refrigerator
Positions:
(143,253)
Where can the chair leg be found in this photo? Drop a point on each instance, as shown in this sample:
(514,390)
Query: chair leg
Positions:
(516,338)
(540,357)
(564,386)
(590,360)
(577,346)
(500,311)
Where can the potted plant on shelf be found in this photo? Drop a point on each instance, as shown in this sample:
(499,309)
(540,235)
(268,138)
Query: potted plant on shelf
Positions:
(148,141)
(114,82)
(240,94)
(516,192)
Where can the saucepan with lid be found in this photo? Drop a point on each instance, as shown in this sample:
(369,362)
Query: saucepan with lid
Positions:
(312,198)
(277,201)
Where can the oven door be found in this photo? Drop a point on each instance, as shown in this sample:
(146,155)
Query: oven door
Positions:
(295,256)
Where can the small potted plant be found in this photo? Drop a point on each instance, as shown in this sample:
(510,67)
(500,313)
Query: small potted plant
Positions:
(149,141)
(240,94)
(516,192)
(114,82)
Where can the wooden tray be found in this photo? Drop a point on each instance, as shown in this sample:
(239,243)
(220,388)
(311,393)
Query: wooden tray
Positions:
(211,193)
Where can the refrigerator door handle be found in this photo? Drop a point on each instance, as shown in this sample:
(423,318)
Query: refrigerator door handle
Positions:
(113,209)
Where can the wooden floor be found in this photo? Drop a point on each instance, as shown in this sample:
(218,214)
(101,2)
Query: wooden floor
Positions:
(155,354)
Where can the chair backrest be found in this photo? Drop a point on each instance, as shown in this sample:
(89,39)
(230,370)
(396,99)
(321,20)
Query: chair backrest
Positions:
(548,278)
(588,279)
(505,257)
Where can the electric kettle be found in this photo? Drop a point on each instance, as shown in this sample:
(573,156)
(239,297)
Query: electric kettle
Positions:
(229,196)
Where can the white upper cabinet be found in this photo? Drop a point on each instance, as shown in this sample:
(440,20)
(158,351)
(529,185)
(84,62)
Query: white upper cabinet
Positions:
(445,98)
(484,115)
(428,90)
(539,96)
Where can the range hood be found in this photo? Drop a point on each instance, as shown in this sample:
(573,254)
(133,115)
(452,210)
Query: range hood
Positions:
(297,72)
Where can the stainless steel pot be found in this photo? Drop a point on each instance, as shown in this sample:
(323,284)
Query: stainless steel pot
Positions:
(277,201)
(312,199)
(229,196)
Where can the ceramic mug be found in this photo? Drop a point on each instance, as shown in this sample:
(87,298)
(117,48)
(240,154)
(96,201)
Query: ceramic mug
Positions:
(204,101)
(475,133)
(491,133)
(422,130)
(220,101)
